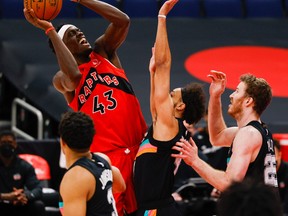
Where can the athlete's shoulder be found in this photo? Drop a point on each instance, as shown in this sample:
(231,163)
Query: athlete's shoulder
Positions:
(77,175)
(248,131)
(102,156)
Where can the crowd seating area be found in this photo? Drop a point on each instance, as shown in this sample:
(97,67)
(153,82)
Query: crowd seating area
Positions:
(149,8)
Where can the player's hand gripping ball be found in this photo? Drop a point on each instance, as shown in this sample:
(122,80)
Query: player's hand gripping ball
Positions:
(44,9)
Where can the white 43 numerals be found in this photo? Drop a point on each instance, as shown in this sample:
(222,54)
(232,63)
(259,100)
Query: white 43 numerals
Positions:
(108,99)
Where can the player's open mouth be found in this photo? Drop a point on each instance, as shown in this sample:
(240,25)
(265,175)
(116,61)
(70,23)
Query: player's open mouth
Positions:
(83,41)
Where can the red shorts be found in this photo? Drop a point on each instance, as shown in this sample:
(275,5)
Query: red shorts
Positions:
(123,159)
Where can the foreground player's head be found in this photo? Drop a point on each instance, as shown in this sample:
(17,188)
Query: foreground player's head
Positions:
(76,129)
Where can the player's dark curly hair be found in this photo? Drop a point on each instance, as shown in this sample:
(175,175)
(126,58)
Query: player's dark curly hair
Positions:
(77,130)
(50,42)
(194,98)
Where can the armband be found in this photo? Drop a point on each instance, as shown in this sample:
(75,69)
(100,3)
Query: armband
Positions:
(49,29)
(162,16)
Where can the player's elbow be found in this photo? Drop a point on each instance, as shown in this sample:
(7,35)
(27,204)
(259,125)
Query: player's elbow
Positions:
(123,22)
(215,142)
(122,187)
(163,62)
(119,187)
(126,21)
(119,184)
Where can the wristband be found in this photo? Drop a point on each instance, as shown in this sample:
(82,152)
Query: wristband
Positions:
(162,16)
(49,29)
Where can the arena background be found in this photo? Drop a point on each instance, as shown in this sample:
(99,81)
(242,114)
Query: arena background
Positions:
(226,37)
(238,47)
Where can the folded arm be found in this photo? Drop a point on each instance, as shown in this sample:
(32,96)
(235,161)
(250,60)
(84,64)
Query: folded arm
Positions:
(69,76)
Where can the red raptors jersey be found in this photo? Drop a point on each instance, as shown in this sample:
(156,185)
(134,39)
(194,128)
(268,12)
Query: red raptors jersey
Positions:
(105,94)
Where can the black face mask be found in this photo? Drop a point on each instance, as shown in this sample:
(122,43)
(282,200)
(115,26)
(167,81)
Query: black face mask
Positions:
(7,150)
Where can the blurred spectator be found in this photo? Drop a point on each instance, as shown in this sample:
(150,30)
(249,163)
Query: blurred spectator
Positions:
(249,198)
(20,190)
(282,176)
(216,155)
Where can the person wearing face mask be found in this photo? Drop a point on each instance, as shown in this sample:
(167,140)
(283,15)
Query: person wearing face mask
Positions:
(20,190)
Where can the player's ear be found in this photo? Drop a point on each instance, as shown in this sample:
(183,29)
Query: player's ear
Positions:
(181,106)
(62,143)
(249,100)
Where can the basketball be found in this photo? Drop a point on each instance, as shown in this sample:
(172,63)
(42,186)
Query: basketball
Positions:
(44,9)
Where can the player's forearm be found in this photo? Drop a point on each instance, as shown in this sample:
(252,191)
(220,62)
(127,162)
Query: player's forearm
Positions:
(216,178)
(216,123)
(162,49)
(66,60)
(162,65)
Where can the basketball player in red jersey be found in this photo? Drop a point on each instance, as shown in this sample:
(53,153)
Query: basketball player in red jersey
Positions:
(92,81)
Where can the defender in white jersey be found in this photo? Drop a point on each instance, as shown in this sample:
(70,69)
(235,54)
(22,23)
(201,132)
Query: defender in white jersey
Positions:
(252,149)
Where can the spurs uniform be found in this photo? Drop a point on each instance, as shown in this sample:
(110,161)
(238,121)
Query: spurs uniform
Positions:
(263,169)
(106,95)
(154,172)
(102,202)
